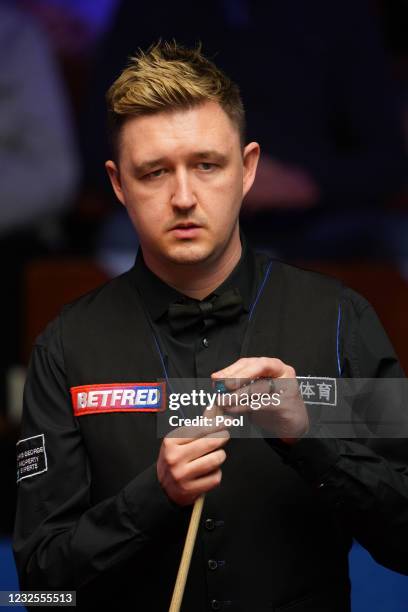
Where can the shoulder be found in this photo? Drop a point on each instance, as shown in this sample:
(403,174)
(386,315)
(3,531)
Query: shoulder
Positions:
(305,276)
(363,346)
(105,303)
(300,283)
(354,309)
(98,308)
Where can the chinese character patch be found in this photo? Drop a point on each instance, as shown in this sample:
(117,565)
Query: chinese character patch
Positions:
(31,457)
(318,390)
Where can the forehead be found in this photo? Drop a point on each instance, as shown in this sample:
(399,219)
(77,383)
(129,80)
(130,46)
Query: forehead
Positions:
(178,133)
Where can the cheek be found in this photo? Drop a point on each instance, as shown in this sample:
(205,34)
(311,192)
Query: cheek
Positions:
(144,207)
(229,191)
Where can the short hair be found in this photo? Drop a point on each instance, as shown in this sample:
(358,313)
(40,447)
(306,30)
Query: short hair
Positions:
(169,77)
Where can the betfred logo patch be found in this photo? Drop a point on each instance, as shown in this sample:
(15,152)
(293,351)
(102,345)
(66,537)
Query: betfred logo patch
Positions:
(116,397)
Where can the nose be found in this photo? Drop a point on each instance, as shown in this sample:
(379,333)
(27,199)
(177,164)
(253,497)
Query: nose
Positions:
(183,196)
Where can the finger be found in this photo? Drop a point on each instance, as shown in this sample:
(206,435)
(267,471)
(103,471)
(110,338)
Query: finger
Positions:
(186,434)
(260,394)
(258,386)
(177,454)
(235,369)
(207,464)
(246,384)
(203,446)
(232,384)
(237,409)
(255,396)
(205,483)
(283,388)
(255,367)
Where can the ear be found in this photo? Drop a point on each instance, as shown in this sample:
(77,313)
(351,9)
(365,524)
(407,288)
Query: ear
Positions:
(114,175)
(250,158)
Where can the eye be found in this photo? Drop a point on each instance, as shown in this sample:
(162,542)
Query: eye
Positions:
(207,166)
(153,175)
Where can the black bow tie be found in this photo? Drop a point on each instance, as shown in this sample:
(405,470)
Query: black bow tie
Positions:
(224,307)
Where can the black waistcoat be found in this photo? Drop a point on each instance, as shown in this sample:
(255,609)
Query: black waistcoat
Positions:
(275,545)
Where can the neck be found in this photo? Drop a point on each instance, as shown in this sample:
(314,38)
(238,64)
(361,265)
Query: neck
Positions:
(199,279)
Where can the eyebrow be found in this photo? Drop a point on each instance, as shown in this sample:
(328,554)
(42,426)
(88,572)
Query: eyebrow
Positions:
(153,163)
(148,165)
(211,153)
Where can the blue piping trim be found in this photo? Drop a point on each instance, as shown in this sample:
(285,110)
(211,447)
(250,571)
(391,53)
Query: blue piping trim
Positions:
(261,288)
(161,359)
(338,340)
(165,369)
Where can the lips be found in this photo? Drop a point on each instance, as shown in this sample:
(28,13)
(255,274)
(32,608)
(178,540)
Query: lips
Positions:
(185,226)
(186,230)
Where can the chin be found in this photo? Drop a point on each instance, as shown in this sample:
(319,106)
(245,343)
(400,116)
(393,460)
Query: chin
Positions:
(189,254)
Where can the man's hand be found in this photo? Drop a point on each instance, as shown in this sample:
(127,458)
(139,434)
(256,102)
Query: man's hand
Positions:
(190,464)
(285,415)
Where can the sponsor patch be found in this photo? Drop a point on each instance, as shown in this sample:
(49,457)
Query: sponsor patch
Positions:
(31,457)
(125,397)
(318,390)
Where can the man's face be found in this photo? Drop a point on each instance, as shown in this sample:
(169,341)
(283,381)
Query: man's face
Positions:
(182,176)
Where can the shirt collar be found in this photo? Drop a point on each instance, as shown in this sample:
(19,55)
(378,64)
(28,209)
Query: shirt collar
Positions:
(157,295)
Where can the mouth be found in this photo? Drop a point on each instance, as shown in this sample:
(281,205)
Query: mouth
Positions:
(185,229)
(185,225)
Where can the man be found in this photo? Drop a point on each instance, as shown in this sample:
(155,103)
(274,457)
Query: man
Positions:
(105,507)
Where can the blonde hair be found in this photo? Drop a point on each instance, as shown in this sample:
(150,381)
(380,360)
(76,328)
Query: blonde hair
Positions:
(170,77)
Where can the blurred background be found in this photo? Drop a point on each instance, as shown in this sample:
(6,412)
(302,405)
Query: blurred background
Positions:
(325,87)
